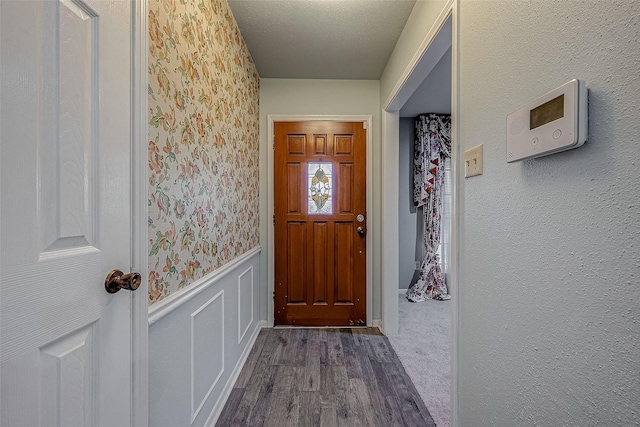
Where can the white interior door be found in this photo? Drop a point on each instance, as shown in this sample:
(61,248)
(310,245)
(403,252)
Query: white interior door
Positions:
(65,221)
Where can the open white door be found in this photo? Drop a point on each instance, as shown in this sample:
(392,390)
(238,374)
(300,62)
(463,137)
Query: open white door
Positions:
(65,212)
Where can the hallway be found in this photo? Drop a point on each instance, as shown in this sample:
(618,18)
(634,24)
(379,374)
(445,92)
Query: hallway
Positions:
(323,377)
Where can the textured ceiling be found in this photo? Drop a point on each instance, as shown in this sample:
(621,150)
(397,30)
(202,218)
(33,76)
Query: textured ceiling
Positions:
(321,39)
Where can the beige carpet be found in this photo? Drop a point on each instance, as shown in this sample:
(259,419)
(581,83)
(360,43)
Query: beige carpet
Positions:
(424,346)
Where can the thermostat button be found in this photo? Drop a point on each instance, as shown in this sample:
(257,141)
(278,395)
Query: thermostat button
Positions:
(534,142)
(557,134)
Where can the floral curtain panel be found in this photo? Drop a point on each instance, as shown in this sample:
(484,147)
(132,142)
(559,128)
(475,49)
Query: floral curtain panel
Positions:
(432,147)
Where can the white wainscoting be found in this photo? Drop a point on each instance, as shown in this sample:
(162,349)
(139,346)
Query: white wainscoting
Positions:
(199,339)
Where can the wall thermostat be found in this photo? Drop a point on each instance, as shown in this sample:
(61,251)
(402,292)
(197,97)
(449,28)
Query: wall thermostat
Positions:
(555,122)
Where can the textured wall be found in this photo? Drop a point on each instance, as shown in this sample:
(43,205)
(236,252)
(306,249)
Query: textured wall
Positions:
(549,324)
(203,143)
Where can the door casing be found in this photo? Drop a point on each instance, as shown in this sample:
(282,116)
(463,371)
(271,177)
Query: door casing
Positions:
(139,214)
(406,84)
(367,120)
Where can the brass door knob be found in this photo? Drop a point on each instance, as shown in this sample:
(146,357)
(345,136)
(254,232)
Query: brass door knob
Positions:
(117,280)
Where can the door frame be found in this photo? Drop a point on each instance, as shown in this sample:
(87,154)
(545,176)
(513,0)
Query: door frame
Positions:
(404,88)
(139,214)
(271,119)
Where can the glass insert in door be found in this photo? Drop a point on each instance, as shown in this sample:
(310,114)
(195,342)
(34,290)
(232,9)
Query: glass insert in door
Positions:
(320,180)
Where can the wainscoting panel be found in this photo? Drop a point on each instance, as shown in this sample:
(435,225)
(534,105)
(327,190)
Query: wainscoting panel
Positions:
(199,339)
(245,302)
(207,351)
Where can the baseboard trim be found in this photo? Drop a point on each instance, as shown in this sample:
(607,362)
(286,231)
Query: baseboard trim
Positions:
(163,308)
(226,392)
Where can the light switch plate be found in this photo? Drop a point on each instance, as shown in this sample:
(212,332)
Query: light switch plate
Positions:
(473,161)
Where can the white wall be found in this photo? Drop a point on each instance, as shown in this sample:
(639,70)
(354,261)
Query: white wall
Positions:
(397,83)
(549,323)
(422,18)
(407,220)
(199,338)
(434,93)
(318,97)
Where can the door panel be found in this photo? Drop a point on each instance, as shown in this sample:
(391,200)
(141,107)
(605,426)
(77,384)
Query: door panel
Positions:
(297,239)
(344,262)
(320,266)
(320,189)
(345,185)
(65,212)
(294,201)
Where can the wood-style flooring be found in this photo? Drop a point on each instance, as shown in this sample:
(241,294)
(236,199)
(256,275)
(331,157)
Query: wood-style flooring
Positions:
(323,377)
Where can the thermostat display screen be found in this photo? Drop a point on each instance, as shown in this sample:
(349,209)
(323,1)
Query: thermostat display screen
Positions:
(547,112)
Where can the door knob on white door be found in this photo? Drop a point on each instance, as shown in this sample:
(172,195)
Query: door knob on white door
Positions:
(117,280)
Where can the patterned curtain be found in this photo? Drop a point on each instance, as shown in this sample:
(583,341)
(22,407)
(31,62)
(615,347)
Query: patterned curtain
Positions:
(432,147)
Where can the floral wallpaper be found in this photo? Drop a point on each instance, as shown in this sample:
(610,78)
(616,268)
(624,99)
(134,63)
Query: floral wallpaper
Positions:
(203,143)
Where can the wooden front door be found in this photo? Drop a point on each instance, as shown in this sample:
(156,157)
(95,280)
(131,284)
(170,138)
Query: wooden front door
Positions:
(320,223)
(65,144)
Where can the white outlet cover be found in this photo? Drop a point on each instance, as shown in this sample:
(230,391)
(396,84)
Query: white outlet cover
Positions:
(473,161)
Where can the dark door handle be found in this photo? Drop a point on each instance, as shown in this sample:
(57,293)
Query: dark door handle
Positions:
(117,280)
(360,231)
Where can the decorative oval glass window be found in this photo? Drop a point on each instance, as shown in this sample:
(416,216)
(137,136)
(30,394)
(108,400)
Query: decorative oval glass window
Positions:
(320,199)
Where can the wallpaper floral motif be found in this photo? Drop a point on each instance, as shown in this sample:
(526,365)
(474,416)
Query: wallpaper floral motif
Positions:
(203,143)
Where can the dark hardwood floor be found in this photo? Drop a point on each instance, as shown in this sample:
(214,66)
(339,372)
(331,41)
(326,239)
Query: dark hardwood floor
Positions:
(323,377)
